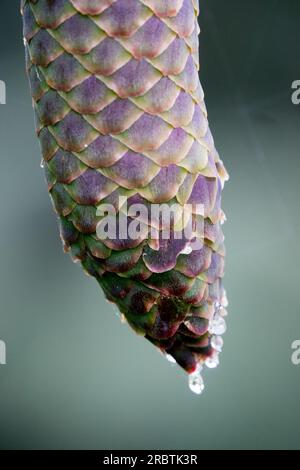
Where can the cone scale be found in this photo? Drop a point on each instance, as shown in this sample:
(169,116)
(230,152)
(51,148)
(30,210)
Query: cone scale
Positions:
(121,120)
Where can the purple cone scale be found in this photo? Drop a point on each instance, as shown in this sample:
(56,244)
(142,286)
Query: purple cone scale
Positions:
(121,120)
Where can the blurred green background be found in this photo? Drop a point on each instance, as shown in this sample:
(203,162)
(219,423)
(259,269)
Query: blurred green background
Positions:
(76,377)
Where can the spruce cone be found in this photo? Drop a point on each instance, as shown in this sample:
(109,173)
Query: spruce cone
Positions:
(121,120)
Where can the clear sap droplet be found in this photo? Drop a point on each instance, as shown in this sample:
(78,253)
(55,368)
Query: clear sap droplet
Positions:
(217,325)
(224,300)
(223,218)
(42,164)
(213,361)
(223,312)
(117,312)
(170,359)
(196,383)
(217,342)
(24,41)
(187,250)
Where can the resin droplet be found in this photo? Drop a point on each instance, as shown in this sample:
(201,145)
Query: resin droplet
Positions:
(217,325)
(213,361)
(196,383)
(187,250)
(223,218)
(117,312)
(170,358)
(224,300)
(42,164)
(217,342)
(223,312)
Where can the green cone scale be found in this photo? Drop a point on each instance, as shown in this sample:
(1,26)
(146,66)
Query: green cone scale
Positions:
(121,120)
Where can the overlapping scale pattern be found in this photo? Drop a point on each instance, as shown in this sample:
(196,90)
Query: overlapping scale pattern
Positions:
(120,115)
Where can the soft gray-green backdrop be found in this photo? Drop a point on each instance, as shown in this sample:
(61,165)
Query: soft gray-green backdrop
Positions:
(76,377)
